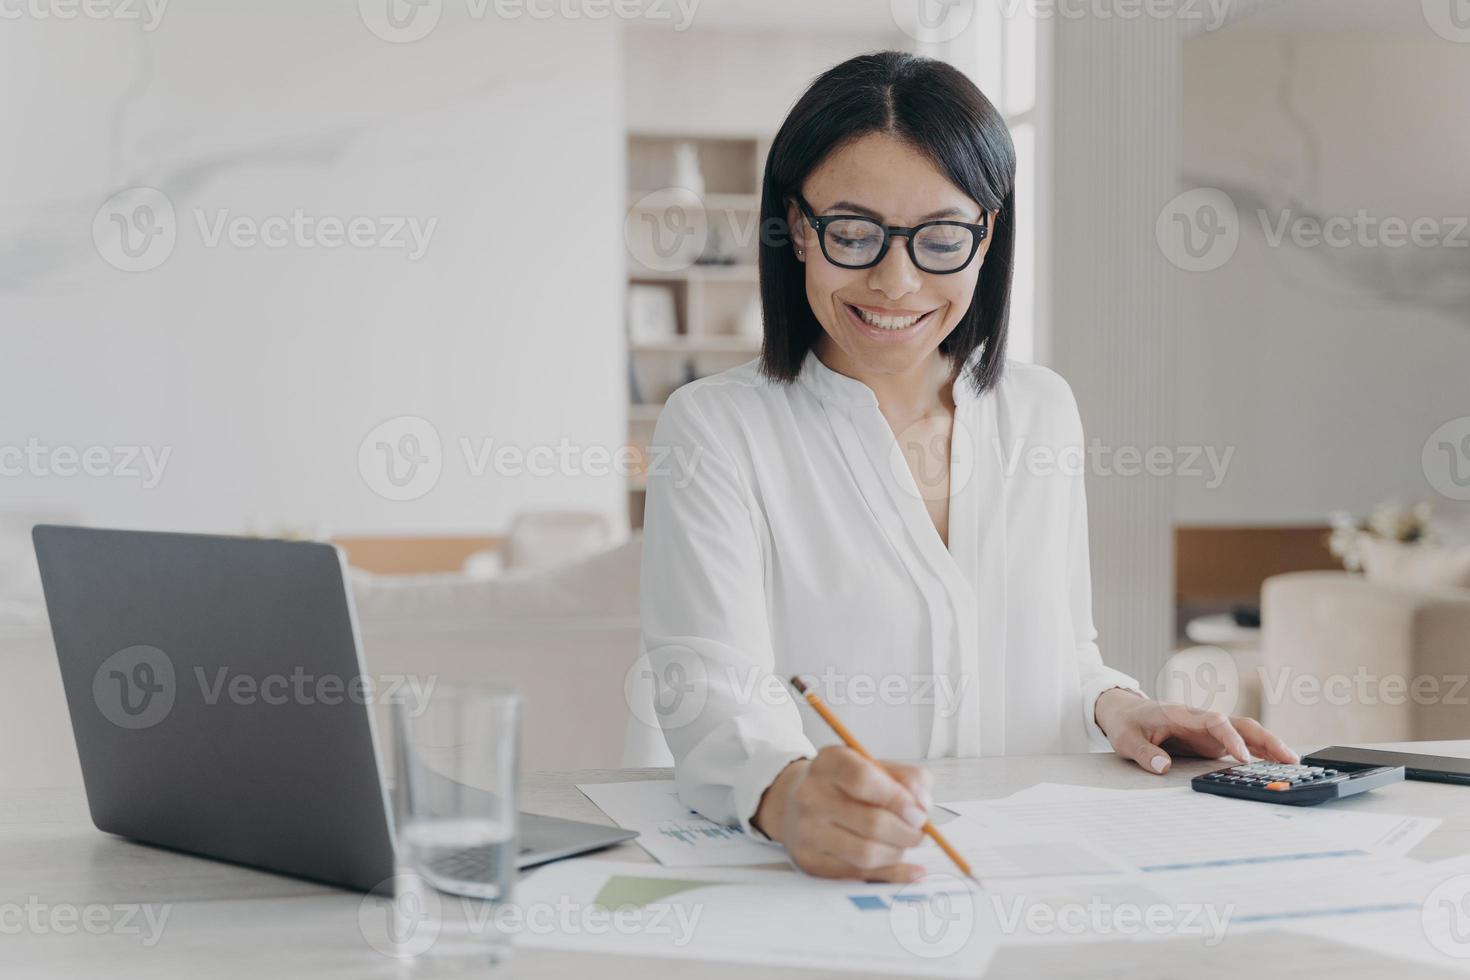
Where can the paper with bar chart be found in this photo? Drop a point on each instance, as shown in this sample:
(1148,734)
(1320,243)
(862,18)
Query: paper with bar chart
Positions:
(937,927)
(671,832)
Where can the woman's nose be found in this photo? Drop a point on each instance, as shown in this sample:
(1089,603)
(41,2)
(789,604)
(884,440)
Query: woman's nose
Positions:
(896,275)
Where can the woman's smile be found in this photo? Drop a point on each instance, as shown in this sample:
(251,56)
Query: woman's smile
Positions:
(888,325)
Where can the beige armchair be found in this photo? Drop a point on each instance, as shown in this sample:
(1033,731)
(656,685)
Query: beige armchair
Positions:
(1345,660)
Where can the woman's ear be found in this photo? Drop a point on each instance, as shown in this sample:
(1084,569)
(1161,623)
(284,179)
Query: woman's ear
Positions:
(796,227)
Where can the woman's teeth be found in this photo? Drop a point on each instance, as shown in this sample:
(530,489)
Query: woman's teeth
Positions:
(888,322)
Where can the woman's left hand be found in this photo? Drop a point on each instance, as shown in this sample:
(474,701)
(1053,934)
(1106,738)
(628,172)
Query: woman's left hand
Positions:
(1147,731)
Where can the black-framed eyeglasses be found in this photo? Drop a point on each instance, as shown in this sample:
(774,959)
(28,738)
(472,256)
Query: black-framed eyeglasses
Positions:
(854,241)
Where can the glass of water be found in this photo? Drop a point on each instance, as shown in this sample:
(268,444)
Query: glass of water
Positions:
(456,753)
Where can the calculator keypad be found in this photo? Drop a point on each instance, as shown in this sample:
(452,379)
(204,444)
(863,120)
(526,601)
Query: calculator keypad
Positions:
(1275,776)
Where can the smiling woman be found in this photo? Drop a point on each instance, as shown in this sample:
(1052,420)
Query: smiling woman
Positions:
(850,515)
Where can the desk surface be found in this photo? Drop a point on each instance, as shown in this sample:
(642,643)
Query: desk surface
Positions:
(226,922)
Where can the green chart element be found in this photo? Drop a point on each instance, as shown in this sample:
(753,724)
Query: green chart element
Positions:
(620,891)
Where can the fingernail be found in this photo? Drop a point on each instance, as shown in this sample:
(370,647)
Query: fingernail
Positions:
(914,817)
(1158,763)
(926,799)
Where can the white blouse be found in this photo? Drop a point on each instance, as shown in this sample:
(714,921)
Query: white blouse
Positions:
(784,534)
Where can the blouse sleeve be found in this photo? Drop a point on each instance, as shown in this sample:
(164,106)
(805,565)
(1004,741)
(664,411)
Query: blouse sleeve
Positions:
(729,722)
(1096,677)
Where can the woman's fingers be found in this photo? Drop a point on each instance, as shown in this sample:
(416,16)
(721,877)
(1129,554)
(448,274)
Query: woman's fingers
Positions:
(825,865)
(1264,742)
(1206,732)
(879,823)
(867,782)
(1131,744)
(916,779)
(861,853)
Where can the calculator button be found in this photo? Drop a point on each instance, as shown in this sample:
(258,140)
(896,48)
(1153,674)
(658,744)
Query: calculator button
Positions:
(1278,785)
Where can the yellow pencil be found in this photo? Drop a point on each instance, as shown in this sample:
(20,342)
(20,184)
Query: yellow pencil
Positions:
(851,742)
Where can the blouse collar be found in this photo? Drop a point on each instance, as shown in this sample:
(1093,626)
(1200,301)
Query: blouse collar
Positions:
(837,387)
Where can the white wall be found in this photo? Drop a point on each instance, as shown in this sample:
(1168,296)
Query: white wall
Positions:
(1327,368)
(1116,91)
(733,82)
(260,369)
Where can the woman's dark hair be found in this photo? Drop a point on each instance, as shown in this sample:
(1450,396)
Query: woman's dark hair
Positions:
(935,108)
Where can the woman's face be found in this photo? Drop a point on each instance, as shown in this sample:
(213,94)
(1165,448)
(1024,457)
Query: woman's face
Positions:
(909,311)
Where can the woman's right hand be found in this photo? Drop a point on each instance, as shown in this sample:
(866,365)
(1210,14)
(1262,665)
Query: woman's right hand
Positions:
(843,816)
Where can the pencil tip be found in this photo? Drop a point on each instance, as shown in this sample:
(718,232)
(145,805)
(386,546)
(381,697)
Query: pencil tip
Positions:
(799,684)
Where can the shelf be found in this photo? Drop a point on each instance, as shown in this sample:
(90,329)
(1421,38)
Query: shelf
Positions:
(699,345)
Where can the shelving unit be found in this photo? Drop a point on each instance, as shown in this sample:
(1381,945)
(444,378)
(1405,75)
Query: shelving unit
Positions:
(710,271)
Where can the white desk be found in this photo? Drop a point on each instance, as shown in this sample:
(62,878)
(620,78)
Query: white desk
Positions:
(226,922)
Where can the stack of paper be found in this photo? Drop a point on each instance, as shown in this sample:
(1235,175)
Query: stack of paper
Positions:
(1058,864)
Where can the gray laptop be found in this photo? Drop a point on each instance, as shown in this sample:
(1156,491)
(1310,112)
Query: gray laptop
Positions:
(148,626)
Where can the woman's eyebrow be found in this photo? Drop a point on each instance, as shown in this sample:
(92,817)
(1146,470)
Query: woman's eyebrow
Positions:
(852,207)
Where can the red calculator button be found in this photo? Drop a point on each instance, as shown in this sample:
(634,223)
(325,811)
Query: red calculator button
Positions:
(1278,785)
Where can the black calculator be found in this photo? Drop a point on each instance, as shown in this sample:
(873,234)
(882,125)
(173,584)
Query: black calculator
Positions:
(1277,782)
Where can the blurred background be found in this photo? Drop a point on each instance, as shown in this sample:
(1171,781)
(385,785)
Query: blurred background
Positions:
(415,276)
